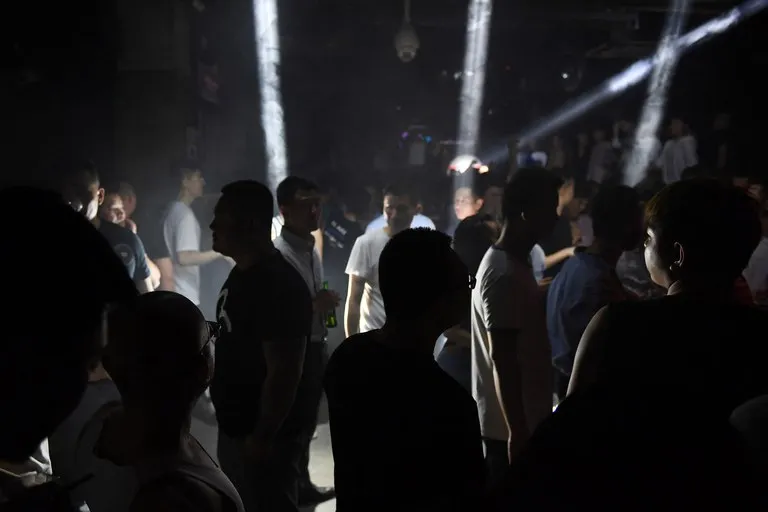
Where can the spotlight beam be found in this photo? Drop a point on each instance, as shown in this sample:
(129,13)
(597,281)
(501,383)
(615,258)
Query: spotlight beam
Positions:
(665,63)
(272,123)
(473,80)
(641,69)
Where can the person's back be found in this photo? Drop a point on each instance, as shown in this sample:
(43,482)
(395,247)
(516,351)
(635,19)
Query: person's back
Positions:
(149,433)
(393,412)
(418,427)
(695,350)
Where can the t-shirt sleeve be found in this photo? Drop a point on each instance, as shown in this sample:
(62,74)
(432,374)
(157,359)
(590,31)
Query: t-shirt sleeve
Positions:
(142,268)
(501,306)
(187,234)
(289,311)
(359,263)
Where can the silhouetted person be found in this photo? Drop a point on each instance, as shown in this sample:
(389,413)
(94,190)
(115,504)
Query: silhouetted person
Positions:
(265,312)
(588,280)
(471,240)
(511,357)
(160,356)
(47,349)
(395,416)
(646,422)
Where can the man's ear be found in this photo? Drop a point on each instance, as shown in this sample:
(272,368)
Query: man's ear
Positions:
(100,196)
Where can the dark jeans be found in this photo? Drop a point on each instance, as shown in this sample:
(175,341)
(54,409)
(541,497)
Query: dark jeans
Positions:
(308,401)
(457,362)
(496,460)
(271,487)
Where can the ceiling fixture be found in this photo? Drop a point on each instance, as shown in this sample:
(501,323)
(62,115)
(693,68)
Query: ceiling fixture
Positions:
(406,40)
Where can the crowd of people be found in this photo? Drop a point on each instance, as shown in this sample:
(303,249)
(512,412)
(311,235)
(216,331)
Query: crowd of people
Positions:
(568,345)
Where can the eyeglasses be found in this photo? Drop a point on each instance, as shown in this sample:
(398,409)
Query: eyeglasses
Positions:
(214,333)
(472,282)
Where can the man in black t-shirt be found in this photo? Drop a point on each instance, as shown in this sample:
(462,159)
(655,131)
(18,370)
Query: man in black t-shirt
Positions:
(395,416)
(265,312)
(82,189)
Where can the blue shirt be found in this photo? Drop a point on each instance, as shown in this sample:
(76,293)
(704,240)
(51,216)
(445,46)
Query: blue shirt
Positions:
(575,295)
(419,221)
(128,247)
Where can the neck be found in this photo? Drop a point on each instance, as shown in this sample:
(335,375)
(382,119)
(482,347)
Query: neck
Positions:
(297,232)
(252,256)
(132,436)
(608,252)
(96,221)
(514,243)
(712,289)
(185,197)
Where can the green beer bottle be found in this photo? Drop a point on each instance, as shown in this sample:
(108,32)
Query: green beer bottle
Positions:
(330,320)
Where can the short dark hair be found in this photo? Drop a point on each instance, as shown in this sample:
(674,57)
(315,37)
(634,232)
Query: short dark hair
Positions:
(79,175)
(249,201)
(402,189)
(471,240)
(182,168)
(59,342)
(156,351)
(125,189)
(613,209)
(690,211)
(416,259)
(287,189)
(526,188)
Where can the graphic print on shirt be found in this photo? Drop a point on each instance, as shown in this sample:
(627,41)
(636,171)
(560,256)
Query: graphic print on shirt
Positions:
(221,313)
(126,256)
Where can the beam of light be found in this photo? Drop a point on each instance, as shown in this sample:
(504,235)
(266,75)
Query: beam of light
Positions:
(268,52)
(473,80)
(635,74)
(665,62)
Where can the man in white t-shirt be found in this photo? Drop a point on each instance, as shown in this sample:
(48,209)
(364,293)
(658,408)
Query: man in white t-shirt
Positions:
(418,221)
(181,231)
(678,154)
(364,310)
(511,355)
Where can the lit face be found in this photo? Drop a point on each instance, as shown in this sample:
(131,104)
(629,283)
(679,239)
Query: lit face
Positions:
(654,262)
(303,212)
(194,183)
(465,203)
(676,127)
(129,204)
(112,209)
(85,200)
(399,211)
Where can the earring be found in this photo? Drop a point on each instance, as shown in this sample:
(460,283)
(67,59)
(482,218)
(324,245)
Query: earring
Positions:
(522,215)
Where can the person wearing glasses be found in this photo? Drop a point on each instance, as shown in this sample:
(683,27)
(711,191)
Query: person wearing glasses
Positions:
(159,354)
(395,416)
(265,312)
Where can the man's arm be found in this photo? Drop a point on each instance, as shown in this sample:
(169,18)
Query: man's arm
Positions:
(284,362)
(142,276)
(165,265)
(196,258)
(558,257)
(352,306)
